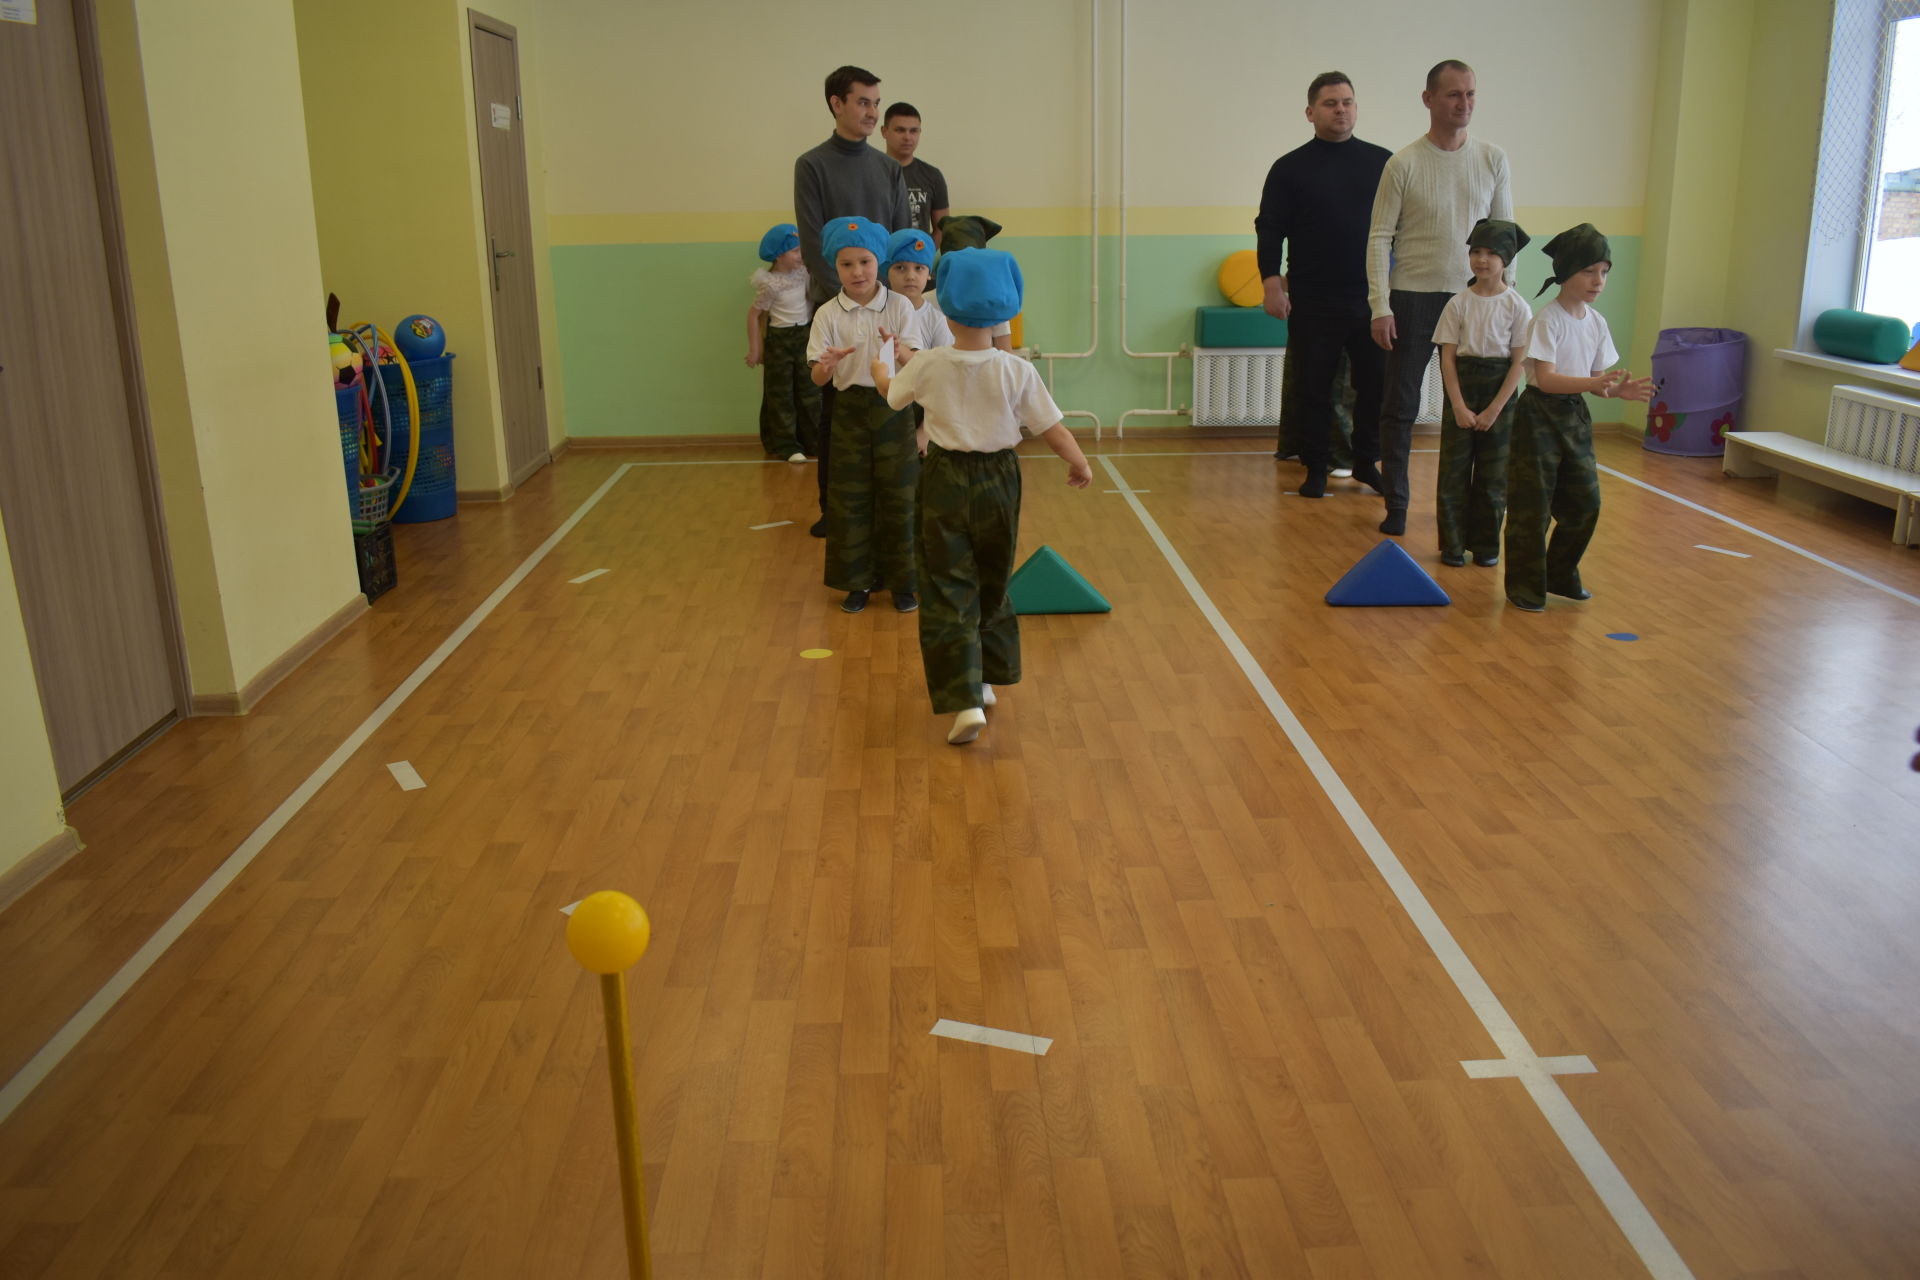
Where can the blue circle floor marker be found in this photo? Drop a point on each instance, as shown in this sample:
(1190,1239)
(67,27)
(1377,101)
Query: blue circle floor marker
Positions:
(1621,635)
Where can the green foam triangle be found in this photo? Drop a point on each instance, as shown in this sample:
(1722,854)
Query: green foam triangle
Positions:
(1046,583)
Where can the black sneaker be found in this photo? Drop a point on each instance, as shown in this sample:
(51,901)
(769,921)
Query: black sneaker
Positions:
(1453,559)
(1576,592)
(855,601)
(1369,475)
(1395,524)
(1529,605)
(819,528)
(905,602)
(1486,562)
(1315,485)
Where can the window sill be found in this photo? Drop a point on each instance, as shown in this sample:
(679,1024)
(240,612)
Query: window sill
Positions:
(1890,374)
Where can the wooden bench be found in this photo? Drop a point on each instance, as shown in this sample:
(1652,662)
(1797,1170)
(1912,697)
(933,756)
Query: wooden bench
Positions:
(1770,453)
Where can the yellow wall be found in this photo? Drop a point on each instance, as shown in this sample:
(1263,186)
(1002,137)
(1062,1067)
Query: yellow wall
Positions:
(396,179)
(228,305)
(30,812)
(1729,198)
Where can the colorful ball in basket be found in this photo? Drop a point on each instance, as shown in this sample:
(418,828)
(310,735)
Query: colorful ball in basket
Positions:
(1240,279)
(420,338)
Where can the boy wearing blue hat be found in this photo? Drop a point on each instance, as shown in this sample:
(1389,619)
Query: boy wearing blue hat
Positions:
(909,269)
(977,400)
(871,460)
(789,401)
(1551,471)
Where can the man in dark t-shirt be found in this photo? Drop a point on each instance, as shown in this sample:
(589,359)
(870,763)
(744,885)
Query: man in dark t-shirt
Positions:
(926,185)
(1317,207)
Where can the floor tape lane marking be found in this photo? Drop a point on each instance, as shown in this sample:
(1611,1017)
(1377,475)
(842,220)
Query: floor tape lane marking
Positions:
(1629,1213)
(994,1037)
(1855,574)
(406,775)
(63,1041)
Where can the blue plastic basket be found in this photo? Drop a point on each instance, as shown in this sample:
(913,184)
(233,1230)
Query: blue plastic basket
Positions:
(432,495)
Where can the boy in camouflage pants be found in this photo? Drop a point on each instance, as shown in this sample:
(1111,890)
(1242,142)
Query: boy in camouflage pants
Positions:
(1550,469)
(977,399)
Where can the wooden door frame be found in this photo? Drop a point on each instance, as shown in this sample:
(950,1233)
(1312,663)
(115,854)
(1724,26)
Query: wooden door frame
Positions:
(478,21)
(132,371)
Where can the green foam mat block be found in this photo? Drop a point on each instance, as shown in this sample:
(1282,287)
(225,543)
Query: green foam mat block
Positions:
(1046,583)
(1237,327)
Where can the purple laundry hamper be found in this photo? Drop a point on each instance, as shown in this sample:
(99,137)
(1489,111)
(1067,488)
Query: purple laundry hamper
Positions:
(1701,377)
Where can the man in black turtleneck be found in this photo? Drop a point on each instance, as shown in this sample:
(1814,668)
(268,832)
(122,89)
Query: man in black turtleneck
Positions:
(844,177)
(1318,204)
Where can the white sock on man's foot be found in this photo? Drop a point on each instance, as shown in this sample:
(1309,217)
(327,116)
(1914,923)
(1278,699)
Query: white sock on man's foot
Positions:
(967,726)
(986,695)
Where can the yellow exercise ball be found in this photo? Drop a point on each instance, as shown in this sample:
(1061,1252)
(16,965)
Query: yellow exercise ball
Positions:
(1240,279)
(608,931)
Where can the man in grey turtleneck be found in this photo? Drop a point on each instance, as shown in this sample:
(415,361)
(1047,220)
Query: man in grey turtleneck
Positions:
(843,177)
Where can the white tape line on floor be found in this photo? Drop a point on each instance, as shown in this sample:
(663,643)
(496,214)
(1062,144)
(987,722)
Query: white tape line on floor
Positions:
(1626,1207)
(992,1037)
(407,776)
(28,1078)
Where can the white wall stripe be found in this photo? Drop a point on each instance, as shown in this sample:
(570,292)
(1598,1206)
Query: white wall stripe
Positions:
(1635,1222)
(28,1078)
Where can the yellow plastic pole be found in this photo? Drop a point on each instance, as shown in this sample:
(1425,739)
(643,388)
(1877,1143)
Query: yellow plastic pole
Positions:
(607,933)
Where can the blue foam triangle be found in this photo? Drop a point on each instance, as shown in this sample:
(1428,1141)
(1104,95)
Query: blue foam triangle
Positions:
(1386,575)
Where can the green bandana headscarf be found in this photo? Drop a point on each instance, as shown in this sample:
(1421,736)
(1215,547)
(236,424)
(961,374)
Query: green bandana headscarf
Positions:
(1501,237)
(1573,251)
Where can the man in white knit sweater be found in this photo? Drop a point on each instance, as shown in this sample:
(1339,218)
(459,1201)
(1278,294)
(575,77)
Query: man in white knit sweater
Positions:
(1433,191)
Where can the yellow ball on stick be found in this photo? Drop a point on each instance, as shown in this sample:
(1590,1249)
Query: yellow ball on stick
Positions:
(608,932)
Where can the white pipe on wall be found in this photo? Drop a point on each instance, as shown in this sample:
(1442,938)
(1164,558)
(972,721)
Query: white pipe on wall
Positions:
(1093,219)
(1168,356)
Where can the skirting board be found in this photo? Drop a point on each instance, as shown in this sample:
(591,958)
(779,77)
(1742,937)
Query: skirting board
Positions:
(37,866)
(249,696)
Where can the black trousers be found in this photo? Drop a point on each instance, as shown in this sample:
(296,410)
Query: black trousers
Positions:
(1316,339)
(1414,317)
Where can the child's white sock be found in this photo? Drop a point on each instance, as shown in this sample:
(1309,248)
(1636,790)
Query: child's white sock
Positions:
(967,726)
(986,695)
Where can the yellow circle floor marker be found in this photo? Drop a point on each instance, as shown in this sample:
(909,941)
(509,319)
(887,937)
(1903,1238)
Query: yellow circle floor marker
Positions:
(816,653)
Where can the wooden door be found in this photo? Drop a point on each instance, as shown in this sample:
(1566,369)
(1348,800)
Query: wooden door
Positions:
(76,486)
(503,188)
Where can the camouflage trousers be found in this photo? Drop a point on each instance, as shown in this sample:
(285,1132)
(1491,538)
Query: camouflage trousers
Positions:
(1340,438)
(1550,474)
(871,473)
(969,522)
(789,402)
(1470,497)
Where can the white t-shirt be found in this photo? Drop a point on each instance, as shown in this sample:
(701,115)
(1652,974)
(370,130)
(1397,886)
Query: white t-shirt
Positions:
(1486,327)
(931,325)
(1002,330)
(1577,346)
(976,401)
(783,296)
(842,322)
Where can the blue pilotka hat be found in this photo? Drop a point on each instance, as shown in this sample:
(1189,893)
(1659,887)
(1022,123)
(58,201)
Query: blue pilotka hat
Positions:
(910,244)
(779,239)
(852,233)
(979,287)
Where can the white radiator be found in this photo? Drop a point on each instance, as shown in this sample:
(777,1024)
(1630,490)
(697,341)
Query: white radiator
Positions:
(1875,426)
(1240,387)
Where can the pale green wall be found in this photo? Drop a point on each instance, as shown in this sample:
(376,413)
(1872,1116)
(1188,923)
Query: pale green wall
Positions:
(637,369)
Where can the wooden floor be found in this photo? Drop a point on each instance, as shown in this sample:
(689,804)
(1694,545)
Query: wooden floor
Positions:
(1693,858)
